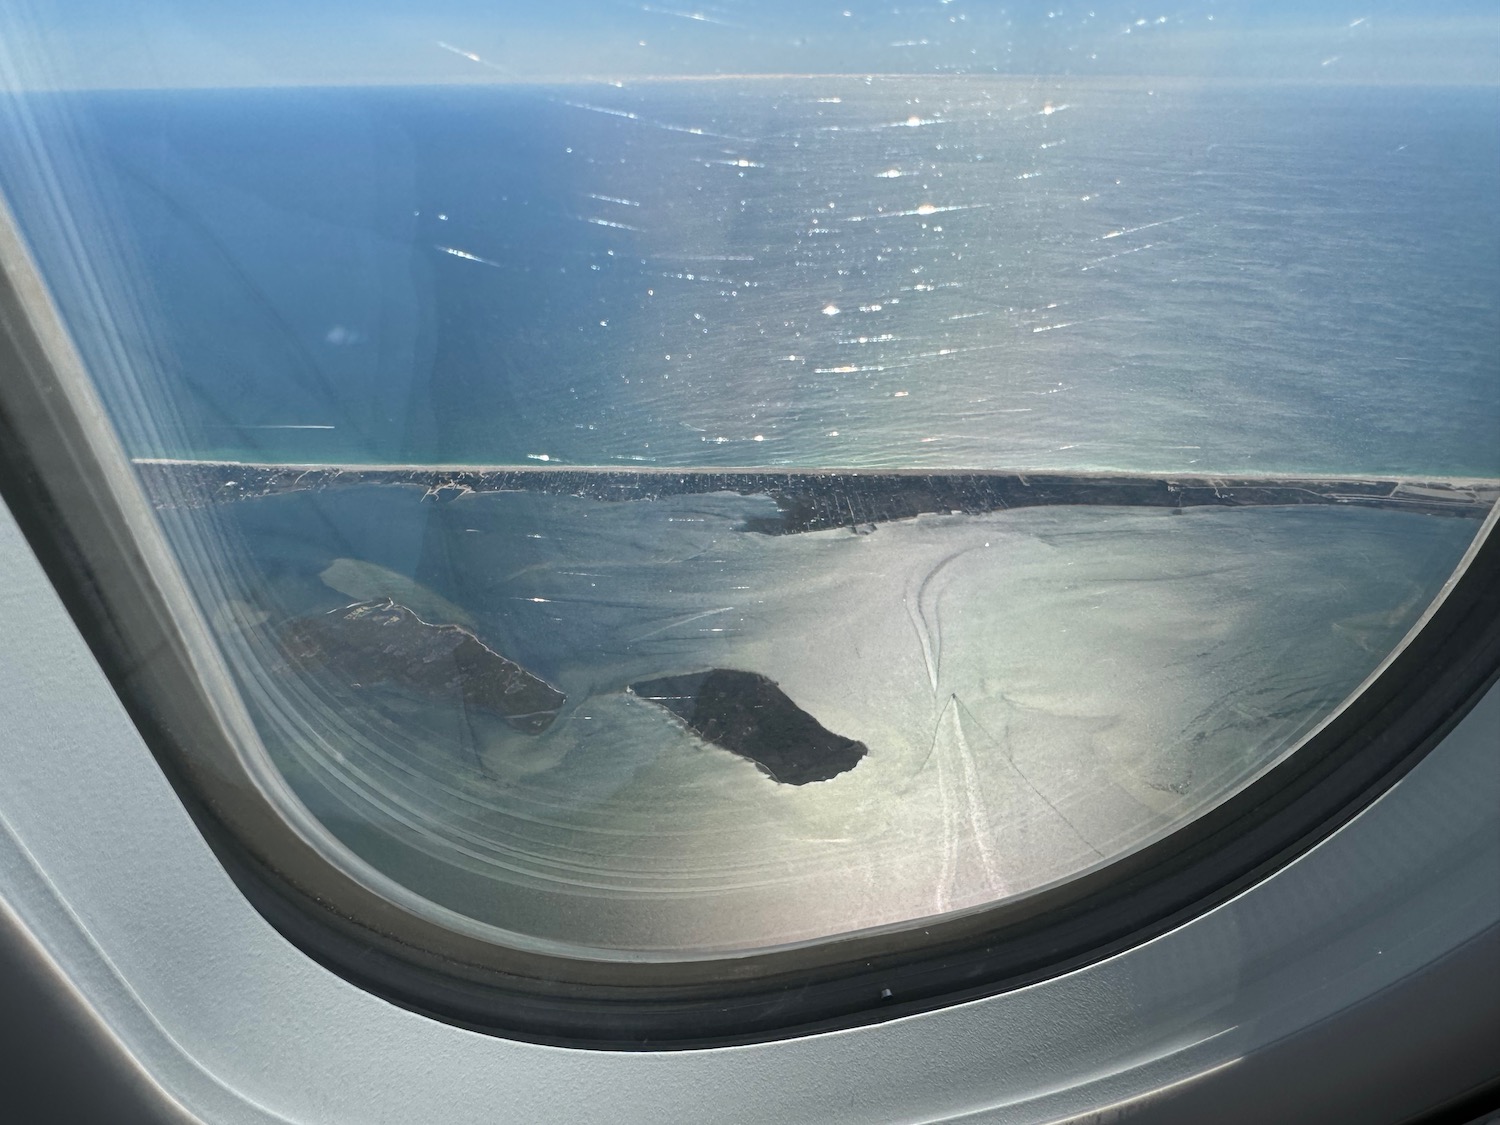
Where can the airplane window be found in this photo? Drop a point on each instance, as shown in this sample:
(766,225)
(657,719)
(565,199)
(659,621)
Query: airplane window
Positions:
(670,485)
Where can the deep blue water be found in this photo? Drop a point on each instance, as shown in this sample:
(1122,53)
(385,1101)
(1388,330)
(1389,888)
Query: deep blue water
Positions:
(815,272)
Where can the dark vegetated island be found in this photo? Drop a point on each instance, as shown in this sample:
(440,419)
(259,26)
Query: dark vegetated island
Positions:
(747,714)
(384,643)
(817,499)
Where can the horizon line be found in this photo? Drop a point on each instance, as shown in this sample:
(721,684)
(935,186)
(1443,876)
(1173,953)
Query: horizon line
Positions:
(623,80)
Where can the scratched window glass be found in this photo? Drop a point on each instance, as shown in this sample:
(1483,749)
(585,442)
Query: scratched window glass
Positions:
(674,481)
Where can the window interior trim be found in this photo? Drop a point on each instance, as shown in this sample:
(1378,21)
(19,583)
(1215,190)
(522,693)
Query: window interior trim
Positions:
(71,488)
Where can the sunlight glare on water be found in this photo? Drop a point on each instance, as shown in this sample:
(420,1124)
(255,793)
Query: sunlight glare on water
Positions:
(680,514)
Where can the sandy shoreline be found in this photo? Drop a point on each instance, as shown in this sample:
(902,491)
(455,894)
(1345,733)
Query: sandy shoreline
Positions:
(1473,483)
(817,499)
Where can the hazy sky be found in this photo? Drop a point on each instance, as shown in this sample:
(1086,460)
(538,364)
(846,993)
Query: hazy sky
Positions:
(152,43)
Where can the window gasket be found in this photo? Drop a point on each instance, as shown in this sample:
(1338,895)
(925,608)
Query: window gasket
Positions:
(67,482)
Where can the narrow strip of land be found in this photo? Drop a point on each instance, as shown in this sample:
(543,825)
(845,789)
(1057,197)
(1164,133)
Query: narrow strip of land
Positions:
(817,499)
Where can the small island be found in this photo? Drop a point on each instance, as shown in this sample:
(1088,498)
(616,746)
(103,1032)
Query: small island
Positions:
(749,715)
(385,643)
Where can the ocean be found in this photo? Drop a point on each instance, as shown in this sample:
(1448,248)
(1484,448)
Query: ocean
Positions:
(957,273)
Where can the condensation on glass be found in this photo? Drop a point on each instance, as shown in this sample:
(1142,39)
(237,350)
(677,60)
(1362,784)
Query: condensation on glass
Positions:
(670,490)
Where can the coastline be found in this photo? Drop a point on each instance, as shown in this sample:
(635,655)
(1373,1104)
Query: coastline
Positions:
(1472,482)
(822,498)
